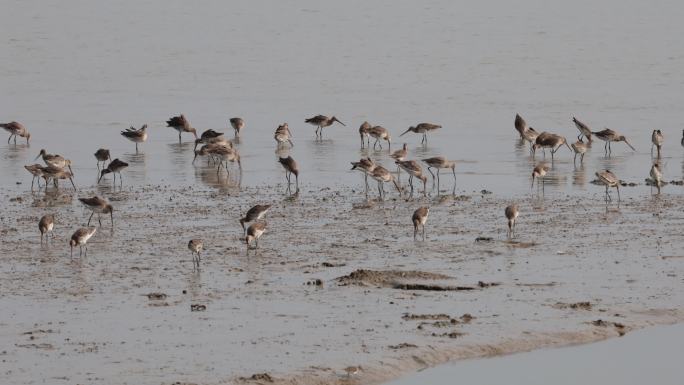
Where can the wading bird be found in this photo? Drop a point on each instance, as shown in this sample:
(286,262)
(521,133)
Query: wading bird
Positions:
(551,141)
(254,232)
(511,215)
(539,172)
(366,166)
(413,168)
(520,126)
(224,155)
(80,238)
(580,148)
(440,162)
(238,124)
(400,155)
(422,128)
(321,121)
(16,129)
(181,124)
(608,179)
(608,136)
(530,136)
(656,176)
(419,218)
(195,246)
(53,160)
(657,140)
(380,133)
(207,137)
(136,136)
(584,130)
(45,225)
(102,155)
(364,132)
(382,176)
(99,206)
(56,173)
(114,168)
(37,171)
(254,214)
(283,134)
(291,167)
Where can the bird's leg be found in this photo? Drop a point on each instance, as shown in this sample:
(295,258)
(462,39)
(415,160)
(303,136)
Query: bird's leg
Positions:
(433,176)
(415,231)
(91,217)
(438,180)
(99,219)
(582,158)
(618,191)
(297,181)
(380,190)
(453,170)
(423,231)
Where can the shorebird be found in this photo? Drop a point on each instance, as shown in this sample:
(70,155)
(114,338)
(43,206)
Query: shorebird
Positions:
(366,166)
(656,176)
(16,129)
(56,173)
(548,140)
(657,140)
(196,246)
(584,130)
(419,218)
(413,168)
(608,179)
(580,149)
(254,214)
(102,155)
(530,136)
(181,124)
(54,160)
(291,167)
(254,232)
(379,132)
(224,155)
(207,150)
(37,171)
(45,225)
(383,176)
(400,155)
(539,172)
(520,126)
(364,132)
(80,238)
(440,162)
(422,128)
(511,215)
(207,136)
(352,370)
(283,134)
(136,136)
(321,121)
(238,124)
(608,136)
(99,206)
(114,167)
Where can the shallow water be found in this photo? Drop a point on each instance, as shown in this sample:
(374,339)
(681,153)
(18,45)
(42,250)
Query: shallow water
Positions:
(81,72)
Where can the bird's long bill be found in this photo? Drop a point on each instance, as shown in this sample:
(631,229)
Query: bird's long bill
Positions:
(630,146)
(338,121)
(239,165)
(193,159)
(569,148)
(37,157)
(402,134)
(111,216)
(101,175)
(70,170)
(72,183)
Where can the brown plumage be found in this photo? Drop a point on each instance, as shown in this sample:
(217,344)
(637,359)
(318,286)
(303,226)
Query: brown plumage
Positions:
(608,135)
(181,124)
(114,168)
(196,246)
(136,136)
(422,128)
(539,172)
(382,176)
(254,232)
(520,126)
(45,226)
(54,160)
(608,179)
(583,129)
(580,148)
(208,136)
(657,139)
(366,166)
(283,134)
(99,206)
(321,121)
(238,124)
(102,155)
(254,214)
(440,162)
(291,167)
(511,215)
(37,171)
(80,238)
(551,141)
(380,133)
(413,168)
(364,132)
(419,218)
(56,173)
(16,129)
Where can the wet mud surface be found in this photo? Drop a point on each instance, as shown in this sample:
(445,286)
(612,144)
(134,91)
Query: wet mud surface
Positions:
(337,282)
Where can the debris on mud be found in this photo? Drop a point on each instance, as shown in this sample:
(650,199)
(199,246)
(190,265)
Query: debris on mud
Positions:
(314,282)
(585,305)
(402,345)
(43,346)
(156,296)
(198,307)
(264,377)
(330,264)
(619,327)
(453,334)
(484,239)
(411,317)
(386,278)
(483,284)
(422,286)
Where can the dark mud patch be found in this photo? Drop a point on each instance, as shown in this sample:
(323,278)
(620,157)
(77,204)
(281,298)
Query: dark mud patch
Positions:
(403,345)
(156,296)
(584,305)
(620,328)
(389,278)
(422,286)
(453,334)
(258,378)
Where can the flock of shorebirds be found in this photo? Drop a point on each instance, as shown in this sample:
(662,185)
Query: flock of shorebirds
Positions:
(220,151)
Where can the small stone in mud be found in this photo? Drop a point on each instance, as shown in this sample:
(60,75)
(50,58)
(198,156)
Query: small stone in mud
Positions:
(450,334)
(330,264)
(156,296)
(584,305)
(198,307)
(17,199)
(315,282)
(410,317)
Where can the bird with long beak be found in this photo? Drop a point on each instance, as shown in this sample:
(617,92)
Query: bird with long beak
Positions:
(102,155)
(364,132)
(136,136)
(181,124)
(207,136)
(254,214)
(584,130)
(321,121)
(512,213)
(413,168)
(539,172)
(608,136)
(238,124)
(55,160)
(381,133)
(56,173)
(552,141)
(16,129)
(440,162)
(520,126)
(366,166)
(580,149)
(657,139)
(419,218)
(37,171)
(254,232)
(196,246)
(114,168)
(282,135)
(291,167)
(382,176)
(422,128)
(80,238)
(608,179)
(99,206)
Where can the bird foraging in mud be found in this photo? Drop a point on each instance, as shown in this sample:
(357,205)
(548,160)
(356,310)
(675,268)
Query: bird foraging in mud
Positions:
(80,238)
(102,155)
(511,215)
(608,179)
(254,232)
(422,128)
(45,225)
(16,129)
(320,122)
(419,218)
(196,246)
(99,206)
(114,167)
(291,167)
(254,214)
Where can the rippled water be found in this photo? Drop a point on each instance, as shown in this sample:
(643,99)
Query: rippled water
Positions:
(79,72)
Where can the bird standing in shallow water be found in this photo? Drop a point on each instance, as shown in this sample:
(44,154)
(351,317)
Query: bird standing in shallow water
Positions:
(656,176)
(608,136)
(208,136)
(254,214)
(181,124)
(291,167)
(114,168)
(45,225)
(657,140)
(99,206)
(16,129)
(364,132)
(56,173)
(380,133)
(80,238)
(580,148)
(102,155)
(383,176)
(254,232)
(422,128)
(511,215)
(238,124)
(583,129)
(400,155)
(321,121)
(137,136)
(539,172)
(419,218)
(37,171)
(54,160)
(366,166)
(440,162)
(196,246)
(414,170)
(548,140)
(283,134)
(608,179)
